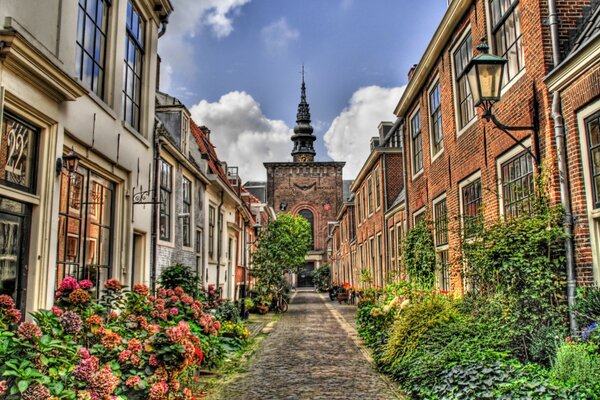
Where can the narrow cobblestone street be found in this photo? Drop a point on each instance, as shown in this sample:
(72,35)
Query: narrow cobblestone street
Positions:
(311,354)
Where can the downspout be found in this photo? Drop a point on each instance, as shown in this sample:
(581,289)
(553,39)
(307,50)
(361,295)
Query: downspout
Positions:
(245,266)
(220,241)
(164,21)
(559,137)
(155,205)
(384,205)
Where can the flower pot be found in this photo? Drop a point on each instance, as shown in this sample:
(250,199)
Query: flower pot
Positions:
(262,309)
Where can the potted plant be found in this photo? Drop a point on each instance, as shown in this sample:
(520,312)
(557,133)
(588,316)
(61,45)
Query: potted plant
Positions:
(262,303)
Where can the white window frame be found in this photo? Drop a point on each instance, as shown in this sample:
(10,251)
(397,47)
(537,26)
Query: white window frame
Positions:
(441,248)
(459,131)
(191,216)
(435,156)
(415,175)
(516,149)
(466,181)
(417,213)
(171,242)
(593,214)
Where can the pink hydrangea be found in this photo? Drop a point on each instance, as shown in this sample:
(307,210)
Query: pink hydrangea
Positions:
(104,383)
(57,311)
(132,381)
(6,301)
(113,284)
(84,353)
(135,345)
(174,311)
(29,330)
(140,289)
(179,291)
(36,391)
(86,368)
(71,322)
(86,284)
(3,387)
(124,355)
(69,283)
(177,333)
(158,391)
(153,360)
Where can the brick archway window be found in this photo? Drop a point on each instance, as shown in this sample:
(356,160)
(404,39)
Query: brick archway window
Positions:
(309,216)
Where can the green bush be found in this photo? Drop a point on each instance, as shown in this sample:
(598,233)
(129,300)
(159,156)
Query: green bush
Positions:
(587,306)
(577,365)
(182,276)
(322,277)
(419,255)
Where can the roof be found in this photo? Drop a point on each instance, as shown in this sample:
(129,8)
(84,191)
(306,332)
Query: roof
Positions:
(588,29)
(164,99)
(206,147)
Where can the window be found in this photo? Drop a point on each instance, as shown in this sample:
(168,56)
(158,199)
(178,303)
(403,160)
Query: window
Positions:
(186,232)
(399,238)
(92,22)
(211,232)
(377,188)
(364,207)
(392,245)
(370,192)
(132,75)
(358,205)
(419,216)
(416,143)
(184,134)
(85,234)
(462,56)
(165,200)
(380,266)
(506,33)
(18,154)
(435,110)
(441,243)
(308,215)
(372,254)
(471,207)
(592,128)
(517,185)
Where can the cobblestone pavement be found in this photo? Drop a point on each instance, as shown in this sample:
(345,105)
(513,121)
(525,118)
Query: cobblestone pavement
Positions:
(312,353)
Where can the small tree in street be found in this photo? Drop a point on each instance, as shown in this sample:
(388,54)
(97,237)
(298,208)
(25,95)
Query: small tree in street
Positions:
(281,248)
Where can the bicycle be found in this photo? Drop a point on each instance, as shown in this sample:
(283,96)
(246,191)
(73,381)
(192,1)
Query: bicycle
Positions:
(279,304)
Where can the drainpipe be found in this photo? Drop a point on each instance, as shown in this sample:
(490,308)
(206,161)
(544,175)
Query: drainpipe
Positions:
(155,205)
(219,242)
(559,137)
(164,21)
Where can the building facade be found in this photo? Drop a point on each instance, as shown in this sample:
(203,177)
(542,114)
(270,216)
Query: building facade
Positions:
(461,170)
(312,189)
(79,82)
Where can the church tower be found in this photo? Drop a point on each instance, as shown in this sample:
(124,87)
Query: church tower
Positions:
(312,189)
(303,137)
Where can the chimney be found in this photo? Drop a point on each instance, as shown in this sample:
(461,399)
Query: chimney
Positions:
(411,72)
(374,142)
(384,128)
(206,131)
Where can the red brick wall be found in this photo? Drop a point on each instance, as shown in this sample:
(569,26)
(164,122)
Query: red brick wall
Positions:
(478,148)
(581,93)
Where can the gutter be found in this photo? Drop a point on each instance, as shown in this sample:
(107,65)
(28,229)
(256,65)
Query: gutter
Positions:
(565,200)
(155,205)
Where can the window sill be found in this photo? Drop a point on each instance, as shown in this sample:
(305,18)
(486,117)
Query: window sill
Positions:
(102,104)
(512,82)
(166,243)
(437,155)
(467,126)
(418,174)
(135,133)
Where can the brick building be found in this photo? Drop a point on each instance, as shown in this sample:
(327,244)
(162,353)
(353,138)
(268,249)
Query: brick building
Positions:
(342,251)
(312,189)
(377,199)
(460,168)
(576,83)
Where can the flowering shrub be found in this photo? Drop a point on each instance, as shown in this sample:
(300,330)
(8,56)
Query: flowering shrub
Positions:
(151,348)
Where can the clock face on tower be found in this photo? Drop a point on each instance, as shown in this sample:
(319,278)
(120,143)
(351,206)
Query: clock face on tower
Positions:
(303,158)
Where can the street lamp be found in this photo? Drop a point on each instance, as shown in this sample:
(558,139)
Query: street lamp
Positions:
(484,75)
(69,160)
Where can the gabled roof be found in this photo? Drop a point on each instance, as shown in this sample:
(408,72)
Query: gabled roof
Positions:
(207,148)
(589,28)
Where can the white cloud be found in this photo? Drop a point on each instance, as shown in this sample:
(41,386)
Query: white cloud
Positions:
(350,133)
(187,21)
(243,135)
(278,34)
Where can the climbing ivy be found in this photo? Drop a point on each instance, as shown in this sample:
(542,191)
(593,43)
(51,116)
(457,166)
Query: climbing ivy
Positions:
(419,255)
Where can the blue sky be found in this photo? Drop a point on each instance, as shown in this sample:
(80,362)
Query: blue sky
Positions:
(236,65)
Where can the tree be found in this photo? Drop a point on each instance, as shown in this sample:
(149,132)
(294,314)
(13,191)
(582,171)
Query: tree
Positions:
(281,248)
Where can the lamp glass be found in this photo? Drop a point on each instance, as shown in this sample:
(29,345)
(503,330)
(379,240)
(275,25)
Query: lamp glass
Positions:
(72,164)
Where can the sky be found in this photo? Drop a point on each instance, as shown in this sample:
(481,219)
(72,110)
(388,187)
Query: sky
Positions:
(236,65)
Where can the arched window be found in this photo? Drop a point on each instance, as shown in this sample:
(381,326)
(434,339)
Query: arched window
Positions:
(308,215)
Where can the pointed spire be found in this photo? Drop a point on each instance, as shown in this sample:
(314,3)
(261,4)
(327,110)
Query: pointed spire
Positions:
(303,137)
